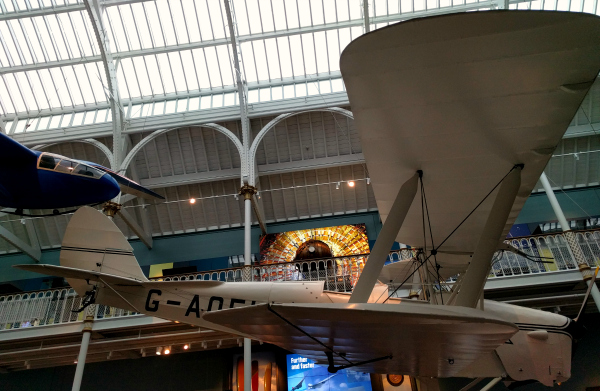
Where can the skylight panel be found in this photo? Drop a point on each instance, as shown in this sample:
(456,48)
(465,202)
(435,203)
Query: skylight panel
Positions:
(201,70)
(217,17)
(142,76)
(154,75)
(194,103)
(15,92)
(85,31)
(34,4)
(136,111)
(170,106)
(308,49)
(101,115)
(588,6)
(45,37)
(130,75)
(27,25)
(356,8)
(179,21)
(117,33)
(238,10)
(443,3)
(146,110)
(159,108)
(36,85)
(229,99)
(3,58)
(10,44)
(182,105)
(5,96)
(301,89)
(276,93)
(21,42)
(333,50)
(248,61)
(49,87)
(123,86)
(68,34)
(66,120)
(97,83)
(265,94)
(42,124)
(291,11)
(321,49)
(55,31)
(166,22)
(9,6)
(21,5)
(61,87)
(21,126)
(204,20)
(213,67)
(129,26)
(273,58)
(177,69)
(260,57)
(420,4)
(266,15)
(26,91)
(154,23)
(78,119)
(337,85)
(278,15)
(297,55)
(55,121)
(253,16)
(165,71)
(356,32)
(205,102)
(226,65)
(288,92)
(304,13)
(331,11)
(316,7)
(189,67)
(72,84)
(90,117)
(285,59)
(189,14)
(141,24)
(83,81)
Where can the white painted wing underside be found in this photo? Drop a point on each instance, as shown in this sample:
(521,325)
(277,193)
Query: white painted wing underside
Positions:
(421,338)
(464,97)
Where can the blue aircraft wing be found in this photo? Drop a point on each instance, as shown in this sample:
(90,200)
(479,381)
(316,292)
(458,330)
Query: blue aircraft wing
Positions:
(127,185)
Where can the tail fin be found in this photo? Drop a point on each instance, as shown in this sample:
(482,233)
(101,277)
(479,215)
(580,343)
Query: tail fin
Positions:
(93,242)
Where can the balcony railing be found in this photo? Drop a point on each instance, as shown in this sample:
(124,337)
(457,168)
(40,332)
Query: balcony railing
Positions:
(57,306)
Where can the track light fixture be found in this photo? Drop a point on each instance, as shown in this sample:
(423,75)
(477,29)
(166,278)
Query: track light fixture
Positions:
(337,186)
(167,350)
(351,183)
(159,350)
(186,346)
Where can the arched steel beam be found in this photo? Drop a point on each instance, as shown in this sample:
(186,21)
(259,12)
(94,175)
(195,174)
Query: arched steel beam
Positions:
(272,124)
(160,132)
(112,90)
(90,141)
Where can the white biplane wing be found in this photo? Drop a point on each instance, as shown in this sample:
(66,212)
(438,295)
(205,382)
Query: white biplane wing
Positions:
(421,339)
(464,97)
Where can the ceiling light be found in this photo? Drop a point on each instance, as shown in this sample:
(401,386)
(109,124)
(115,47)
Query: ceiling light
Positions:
(351,183)
(368,181)
(337,186)
(192,201)
(158,351)
(186,346)
(167,350)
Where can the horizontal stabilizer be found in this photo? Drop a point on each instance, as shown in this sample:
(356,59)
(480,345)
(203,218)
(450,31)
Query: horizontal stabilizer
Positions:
(425,340)
(80,274)
(13,152)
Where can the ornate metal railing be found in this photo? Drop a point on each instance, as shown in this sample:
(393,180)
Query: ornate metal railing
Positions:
(56,306)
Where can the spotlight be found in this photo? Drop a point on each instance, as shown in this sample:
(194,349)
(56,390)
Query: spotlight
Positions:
(368,181)
(192,201)
(158,351)
(167,350)
(75,362)
(337,186)
(186,346)
(351,183)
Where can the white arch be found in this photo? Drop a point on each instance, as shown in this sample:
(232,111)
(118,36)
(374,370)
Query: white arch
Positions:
(236,141)
(90,141)
(275,121)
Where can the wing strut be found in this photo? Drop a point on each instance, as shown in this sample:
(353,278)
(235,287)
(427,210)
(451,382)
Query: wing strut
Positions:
(385,241)
(474,280)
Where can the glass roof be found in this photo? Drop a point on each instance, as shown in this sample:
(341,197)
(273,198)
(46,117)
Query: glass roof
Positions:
(175,55)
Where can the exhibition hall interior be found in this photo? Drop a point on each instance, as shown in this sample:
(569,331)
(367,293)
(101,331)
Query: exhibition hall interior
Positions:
(299,195)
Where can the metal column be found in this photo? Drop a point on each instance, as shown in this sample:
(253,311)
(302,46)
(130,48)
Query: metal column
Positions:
(248,192)
(574,247)
(85,342)
(475,277)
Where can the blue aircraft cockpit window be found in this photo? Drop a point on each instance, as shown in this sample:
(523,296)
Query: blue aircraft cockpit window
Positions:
(66,166)
(48,161)
(59,163)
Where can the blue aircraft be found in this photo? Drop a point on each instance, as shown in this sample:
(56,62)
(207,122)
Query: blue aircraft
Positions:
(40,180)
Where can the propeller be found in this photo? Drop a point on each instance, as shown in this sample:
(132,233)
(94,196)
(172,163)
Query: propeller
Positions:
(587,295)
(575,328)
